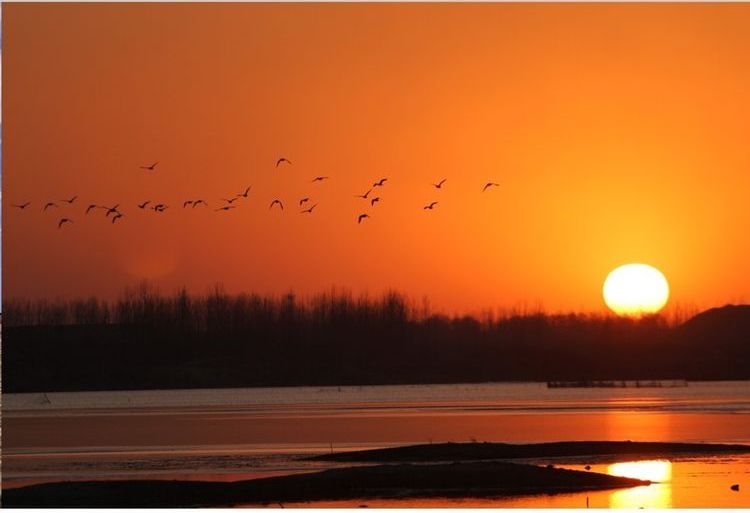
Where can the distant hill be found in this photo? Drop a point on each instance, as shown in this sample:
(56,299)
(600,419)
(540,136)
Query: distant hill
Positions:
(726,322)
(718,341)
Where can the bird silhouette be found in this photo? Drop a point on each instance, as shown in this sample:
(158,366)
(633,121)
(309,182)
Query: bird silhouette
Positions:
(112,210)
(320,178)
(92,207)
(161,207)
(116,217)
(50,204)
(430,206)
(439,185)
(230,201)
(374,200)
(143,205)
(63,221)
(198,202)
(23,205)
(303,201)
(226,207)
(186,203)
(151,167)
(282,159)
(361,217)
(380,182)
(363,196)
(244,194)
(70,201)
(490,184)
(275,202)
(309,210)
(735,487)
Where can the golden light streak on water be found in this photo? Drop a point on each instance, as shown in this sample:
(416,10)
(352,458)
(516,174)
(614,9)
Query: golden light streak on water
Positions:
(656,495)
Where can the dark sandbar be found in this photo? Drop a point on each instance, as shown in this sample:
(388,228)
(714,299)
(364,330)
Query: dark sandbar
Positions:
(490,451)
(474,479)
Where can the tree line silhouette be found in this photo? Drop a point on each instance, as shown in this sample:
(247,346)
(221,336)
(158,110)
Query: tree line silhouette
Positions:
(145,340)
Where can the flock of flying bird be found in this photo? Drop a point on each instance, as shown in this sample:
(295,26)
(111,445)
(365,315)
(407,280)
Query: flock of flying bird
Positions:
(229,202)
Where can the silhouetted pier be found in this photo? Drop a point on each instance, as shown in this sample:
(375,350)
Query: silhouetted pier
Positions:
(672,383)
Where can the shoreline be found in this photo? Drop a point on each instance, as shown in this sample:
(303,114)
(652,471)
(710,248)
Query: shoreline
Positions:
(491,392)
(352,385)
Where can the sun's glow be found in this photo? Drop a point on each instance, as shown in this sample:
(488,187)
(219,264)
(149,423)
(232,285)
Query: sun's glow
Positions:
(656,495)
(656,471)
(636,289)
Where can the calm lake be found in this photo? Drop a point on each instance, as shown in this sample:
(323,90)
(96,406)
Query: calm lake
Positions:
(230,434)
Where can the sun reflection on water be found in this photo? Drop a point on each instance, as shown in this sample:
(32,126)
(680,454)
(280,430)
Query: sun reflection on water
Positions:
(656,495)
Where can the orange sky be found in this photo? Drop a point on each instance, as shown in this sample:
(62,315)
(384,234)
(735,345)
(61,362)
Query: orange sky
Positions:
(618,132)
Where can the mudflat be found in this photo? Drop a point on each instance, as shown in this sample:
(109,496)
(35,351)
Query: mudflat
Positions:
(490,451)
(472,479)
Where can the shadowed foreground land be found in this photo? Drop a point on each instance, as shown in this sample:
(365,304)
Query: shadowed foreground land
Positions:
(478,479)
(148,341)
(462,478)
(488,451)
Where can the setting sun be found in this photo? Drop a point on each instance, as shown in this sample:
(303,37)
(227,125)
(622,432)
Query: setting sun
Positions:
(636,289)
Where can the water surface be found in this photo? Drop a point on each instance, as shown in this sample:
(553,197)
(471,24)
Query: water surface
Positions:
(231,434)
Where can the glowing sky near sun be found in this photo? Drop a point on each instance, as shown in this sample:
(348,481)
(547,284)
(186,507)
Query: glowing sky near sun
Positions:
(617,132)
